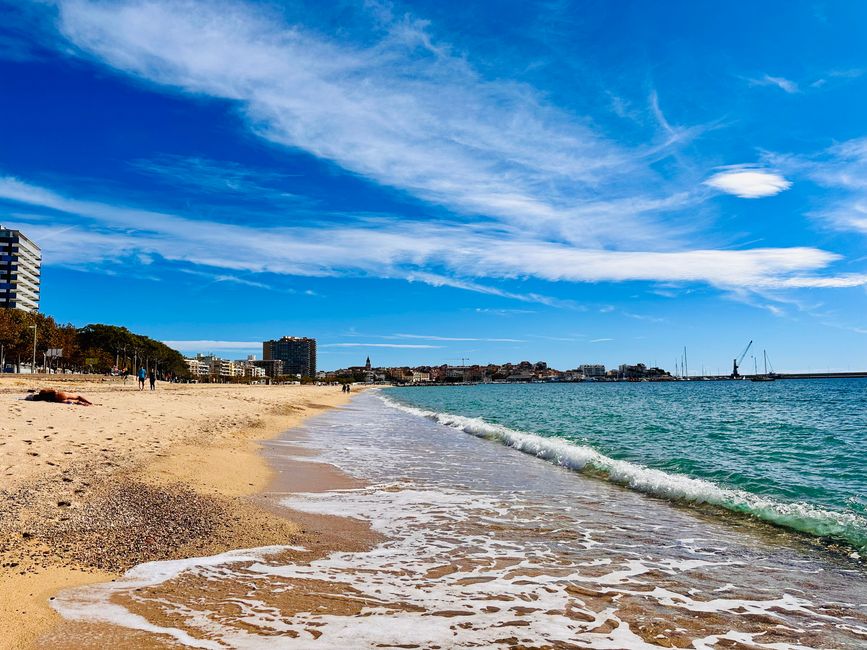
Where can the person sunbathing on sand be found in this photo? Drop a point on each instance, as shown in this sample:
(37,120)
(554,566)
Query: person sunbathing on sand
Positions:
(57,396)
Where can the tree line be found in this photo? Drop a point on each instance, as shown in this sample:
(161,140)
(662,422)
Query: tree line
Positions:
(93,348)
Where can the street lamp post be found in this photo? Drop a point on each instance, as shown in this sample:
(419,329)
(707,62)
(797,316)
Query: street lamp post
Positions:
(33,366)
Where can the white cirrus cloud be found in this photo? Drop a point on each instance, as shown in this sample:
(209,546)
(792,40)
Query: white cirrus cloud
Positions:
(841,168)
(431,337)
(786,85)
(103,233)
(211,346)
(411,346)
(386,110)
(748,183)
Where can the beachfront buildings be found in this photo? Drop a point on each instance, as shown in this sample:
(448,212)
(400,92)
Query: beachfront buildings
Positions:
(298,355)
(592,370)
(20,268)
(522,372)
(207,367)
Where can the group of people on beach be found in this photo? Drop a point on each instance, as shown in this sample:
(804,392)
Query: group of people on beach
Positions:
(346,388)
(151,376)
(142,375)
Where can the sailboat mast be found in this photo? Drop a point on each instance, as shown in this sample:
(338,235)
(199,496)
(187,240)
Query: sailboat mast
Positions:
(685,364)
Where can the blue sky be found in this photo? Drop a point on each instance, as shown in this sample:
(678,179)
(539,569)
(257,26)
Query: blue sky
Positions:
(424,182)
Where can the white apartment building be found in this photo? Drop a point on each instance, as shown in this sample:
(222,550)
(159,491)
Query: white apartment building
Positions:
(208,365)
(254,371)
(198,368)
(592,369)
(20,269)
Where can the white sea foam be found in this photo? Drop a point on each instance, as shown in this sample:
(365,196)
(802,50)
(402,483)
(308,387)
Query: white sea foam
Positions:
(803,517)
(441,578)
(92,603)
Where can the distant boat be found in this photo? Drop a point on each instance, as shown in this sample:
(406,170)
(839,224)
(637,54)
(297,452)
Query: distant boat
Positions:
(768,376)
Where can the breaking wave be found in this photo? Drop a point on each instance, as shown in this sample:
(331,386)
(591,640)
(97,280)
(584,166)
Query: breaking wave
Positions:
(843,527)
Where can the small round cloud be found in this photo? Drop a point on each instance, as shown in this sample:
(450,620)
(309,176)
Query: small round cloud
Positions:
(749,183)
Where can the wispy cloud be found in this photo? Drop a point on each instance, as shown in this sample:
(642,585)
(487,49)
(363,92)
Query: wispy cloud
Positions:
(205,345)
(786,85)
(429,337)
(438,280)
(643,317)
(221,178)
(568,339)
(843,168)
(848,328)
(379,345)
(503,311)
(399,249)
(604,340)
(748,183)
(385,110)
(835,78)
(231,279)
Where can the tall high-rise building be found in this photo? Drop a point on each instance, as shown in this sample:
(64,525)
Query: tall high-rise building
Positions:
(297,354)
(20,268)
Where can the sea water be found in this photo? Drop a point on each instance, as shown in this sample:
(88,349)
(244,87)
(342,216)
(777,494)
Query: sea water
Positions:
(790,452)
(502,529)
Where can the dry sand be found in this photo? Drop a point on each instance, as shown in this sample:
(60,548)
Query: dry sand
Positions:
(88,492)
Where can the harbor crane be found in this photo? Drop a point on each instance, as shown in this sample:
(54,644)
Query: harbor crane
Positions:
(737,362)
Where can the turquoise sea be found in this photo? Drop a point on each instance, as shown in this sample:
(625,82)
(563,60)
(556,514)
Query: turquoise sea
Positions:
(793,452)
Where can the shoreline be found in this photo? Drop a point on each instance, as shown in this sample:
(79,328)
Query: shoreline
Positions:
(176,478)
(439,561)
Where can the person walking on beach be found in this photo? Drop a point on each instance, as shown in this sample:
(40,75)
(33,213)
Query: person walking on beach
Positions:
(153,379)
(142,373)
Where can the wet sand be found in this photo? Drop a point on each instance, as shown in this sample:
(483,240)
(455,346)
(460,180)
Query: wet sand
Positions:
(312,536)
(88,492)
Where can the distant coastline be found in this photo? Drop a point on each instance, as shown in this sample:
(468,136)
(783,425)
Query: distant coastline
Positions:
(606,380)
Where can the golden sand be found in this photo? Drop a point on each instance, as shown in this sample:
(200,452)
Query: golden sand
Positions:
(88,492)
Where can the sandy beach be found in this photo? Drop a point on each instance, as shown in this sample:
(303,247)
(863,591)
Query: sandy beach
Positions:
(88,492)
